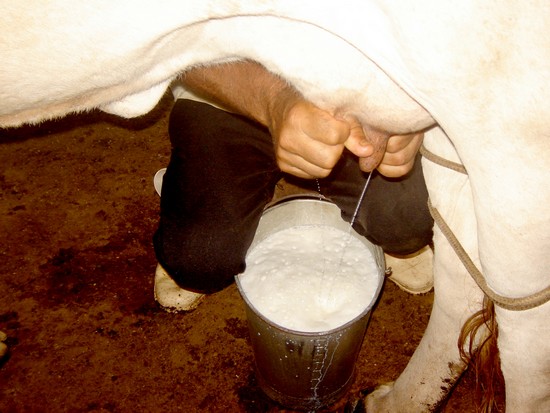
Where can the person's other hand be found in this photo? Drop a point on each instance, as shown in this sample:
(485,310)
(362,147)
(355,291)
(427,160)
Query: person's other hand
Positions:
(400,154)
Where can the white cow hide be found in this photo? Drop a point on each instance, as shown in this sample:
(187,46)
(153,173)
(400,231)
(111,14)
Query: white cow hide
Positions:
(478,69)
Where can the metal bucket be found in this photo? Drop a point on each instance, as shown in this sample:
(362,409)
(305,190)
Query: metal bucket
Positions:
(306,370)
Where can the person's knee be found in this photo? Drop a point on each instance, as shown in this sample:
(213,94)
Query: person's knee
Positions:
(202,265)
(400,231)
(204,276)
(402,243)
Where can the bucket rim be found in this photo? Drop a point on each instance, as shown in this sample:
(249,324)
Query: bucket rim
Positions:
(307,197)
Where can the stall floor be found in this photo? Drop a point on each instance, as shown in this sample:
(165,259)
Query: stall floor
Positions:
(78,211)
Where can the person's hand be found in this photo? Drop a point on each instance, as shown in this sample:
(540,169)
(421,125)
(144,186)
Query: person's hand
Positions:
(309,141)
(400,154)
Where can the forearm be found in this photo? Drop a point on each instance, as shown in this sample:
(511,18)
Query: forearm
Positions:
(308,140)
(243,87)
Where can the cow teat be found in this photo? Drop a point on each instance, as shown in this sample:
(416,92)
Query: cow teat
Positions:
(378,140)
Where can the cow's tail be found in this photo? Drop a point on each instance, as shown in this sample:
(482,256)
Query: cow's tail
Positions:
(478,348)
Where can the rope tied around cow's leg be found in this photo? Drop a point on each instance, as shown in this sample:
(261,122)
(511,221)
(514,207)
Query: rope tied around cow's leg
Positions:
(509,303)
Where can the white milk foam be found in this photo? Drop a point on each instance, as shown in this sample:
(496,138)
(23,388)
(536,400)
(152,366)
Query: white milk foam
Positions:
(299,279)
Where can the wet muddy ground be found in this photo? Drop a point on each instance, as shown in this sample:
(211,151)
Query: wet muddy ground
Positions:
(77,214)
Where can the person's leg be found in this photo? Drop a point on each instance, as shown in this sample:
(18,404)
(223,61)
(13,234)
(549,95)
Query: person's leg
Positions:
(221,174)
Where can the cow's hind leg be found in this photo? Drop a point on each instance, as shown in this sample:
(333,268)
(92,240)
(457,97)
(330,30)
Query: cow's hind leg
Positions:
(436,364)
(525,358)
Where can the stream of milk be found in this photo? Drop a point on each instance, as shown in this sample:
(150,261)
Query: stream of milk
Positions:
(310,278)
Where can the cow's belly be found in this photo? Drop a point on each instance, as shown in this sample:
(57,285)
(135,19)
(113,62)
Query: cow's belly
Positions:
(128,76)
(337,76)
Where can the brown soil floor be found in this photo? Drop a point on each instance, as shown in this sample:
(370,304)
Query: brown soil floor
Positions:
(78,211)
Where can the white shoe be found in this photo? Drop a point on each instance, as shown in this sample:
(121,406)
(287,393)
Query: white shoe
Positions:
(412,273)
(157,180)
(171,296)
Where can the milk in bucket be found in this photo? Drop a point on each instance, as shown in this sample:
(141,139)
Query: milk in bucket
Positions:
(310,278)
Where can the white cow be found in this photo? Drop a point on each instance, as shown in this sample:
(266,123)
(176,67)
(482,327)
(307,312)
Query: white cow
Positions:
(477,72)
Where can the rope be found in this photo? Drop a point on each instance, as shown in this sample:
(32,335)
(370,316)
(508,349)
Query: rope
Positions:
(508,303)
(514,304)
(442,161)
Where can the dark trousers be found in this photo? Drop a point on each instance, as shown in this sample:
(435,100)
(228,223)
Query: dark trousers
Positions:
(223,172)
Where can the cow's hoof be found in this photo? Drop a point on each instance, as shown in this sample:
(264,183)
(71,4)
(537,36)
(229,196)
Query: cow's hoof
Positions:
(357,403)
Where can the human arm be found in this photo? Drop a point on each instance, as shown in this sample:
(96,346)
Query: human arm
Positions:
(398,158)
(308,141)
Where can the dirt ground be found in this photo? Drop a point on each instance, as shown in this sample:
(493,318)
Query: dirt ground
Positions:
(78,211)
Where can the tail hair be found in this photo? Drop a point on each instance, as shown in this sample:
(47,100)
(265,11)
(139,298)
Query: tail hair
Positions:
(478,349)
